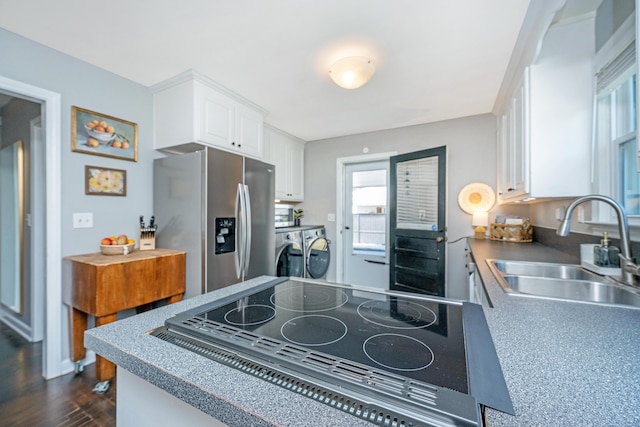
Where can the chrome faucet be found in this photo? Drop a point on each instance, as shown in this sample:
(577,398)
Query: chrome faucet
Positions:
(629,268)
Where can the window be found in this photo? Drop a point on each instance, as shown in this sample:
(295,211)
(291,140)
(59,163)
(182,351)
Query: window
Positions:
(616,152)
(368,210)
(623,135)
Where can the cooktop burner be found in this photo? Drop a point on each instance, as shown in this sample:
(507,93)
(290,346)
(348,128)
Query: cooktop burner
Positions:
(250,315)
(381,349)
(314,330)
(307,297)
(411,315)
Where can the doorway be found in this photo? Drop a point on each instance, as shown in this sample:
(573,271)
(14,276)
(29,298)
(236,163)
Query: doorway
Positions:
(50,156)
(344,236)
(22,217)
(418,222)
(366,225)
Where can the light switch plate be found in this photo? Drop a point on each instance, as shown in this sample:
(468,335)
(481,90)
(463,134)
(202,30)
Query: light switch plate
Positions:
(83,220)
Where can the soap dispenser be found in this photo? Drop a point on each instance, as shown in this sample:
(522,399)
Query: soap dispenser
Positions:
(606,255)
(614,256)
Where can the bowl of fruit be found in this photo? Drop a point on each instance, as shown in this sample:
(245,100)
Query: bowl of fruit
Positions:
(100,130)
(120,245)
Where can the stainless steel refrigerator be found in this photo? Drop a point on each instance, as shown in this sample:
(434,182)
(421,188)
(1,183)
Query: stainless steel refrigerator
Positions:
(218,208)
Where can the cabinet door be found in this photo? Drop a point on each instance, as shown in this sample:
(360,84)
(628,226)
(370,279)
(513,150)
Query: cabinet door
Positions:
(296,171)
(513,147)
(504,160)
(520,141)
(277,153)
(248,135)
(287,155)
(217,118)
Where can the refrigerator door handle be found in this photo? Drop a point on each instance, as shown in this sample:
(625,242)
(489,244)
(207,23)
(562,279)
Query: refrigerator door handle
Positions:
(247,236)
(238,255)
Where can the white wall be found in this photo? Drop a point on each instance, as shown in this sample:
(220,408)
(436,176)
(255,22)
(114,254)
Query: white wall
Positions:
(471,150)
(92,88)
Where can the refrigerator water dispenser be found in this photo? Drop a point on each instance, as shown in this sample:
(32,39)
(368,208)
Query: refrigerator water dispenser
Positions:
(225,235)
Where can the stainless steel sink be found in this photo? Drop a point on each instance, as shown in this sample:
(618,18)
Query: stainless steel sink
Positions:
(562,282)
(545,269)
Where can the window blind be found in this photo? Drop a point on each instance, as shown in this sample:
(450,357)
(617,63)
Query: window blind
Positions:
(417,193)
(614,70)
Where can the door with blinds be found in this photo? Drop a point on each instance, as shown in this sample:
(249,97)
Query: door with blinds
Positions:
(417,222)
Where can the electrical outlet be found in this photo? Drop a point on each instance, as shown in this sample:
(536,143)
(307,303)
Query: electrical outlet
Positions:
(331,217)
(83,220)
(560,213)
(422,214)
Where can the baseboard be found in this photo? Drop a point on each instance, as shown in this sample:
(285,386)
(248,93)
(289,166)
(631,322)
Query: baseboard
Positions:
(16,325)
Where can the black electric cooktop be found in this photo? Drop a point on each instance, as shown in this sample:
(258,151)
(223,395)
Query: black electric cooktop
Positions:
(385,345)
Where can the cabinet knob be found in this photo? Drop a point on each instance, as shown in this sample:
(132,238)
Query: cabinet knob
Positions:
(233,143)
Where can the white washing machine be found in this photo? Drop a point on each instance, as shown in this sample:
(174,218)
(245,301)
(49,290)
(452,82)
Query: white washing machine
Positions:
(290,260)
(317,253)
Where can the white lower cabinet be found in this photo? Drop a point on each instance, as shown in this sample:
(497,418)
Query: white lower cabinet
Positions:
(190,108)
(287,154)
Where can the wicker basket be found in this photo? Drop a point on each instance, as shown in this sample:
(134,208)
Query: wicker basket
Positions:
(511,232)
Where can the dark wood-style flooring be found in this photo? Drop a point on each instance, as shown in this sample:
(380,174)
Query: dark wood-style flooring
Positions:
(26,399)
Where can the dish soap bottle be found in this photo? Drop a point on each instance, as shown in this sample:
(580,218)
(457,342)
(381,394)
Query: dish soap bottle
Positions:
(606,255)
(614,256)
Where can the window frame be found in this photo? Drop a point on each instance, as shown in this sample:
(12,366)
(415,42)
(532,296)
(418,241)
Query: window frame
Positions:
(606,170)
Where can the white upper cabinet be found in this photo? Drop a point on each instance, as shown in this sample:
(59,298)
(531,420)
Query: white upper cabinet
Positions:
(545,131)
(190,108)
(513,146)
(287,154)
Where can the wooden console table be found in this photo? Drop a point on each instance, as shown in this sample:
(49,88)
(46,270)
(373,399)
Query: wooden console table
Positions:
(102,285)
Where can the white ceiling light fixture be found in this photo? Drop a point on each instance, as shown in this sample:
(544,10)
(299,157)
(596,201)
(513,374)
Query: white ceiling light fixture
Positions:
(352,72)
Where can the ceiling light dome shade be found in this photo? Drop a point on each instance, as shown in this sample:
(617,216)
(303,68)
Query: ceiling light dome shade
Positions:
(352,72)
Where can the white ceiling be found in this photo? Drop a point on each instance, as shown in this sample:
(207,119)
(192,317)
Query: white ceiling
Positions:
(435,59)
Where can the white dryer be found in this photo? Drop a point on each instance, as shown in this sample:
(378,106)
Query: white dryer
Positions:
(317,253)
(290,260)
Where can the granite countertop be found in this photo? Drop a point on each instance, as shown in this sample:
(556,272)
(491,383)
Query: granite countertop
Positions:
(565,363)
(224,393)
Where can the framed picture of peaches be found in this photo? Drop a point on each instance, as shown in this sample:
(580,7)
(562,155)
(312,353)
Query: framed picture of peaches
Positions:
(102,135)
(100,181)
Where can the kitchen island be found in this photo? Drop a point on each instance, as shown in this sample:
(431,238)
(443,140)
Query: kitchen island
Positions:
(565,363)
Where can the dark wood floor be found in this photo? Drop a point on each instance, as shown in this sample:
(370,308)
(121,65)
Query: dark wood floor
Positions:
(26,399)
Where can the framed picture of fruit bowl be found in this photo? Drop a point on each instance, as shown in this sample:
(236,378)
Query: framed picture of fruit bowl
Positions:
(102,135)
(100,181)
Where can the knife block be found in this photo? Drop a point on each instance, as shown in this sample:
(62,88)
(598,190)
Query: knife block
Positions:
(147,240)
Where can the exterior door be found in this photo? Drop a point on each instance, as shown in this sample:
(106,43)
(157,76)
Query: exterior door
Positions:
(366,224)
(417,222)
